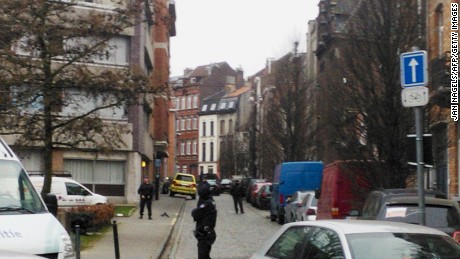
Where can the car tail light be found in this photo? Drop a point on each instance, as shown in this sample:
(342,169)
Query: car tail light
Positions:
(456,235)
(174,183)
(335,212)
(281,199)
(310,212)
(193,184)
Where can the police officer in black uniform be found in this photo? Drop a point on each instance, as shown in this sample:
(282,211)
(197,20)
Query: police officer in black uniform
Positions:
(146,194)
(205,215)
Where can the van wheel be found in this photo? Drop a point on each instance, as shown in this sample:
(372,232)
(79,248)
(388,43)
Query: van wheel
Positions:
(272,218)
(171,193)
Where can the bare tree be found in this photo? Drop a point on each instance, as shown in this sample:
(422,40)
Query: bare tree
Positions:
(227,157)
(51,79)
(363,117)
(285,134)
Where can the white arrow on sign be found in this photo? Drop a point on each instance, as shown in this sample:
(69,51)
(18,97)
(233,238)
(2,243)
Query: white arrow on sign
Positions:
(413,63)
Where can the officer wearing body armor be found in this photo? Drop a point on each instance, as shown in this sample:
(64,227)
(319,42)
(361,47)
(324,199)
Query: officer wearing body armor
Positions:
(205,215)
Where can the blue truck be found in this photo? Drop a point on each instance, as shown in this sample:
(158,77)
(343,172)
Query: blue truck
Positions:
(291,177)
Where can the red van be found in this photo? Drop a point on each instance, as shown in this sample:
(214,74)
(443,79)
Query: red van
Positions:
(343,190)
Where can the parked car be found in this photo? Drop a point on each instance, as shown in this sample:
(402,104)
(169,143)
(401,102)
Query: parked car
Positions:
(357,239)
(308,208)
(264,196)
(377,198)
(442,214)
(254,191)
(226,185)
(69,193)
(214,187)
(290,177)
(250,183)
(183,184)
(293,204)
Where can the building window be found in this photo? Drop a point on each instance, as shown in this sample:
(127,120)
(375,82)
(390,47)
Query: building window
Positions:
(210,169)
(194,123)
(222,127)
(189,124)
(178,124)
(439,28)
(187,148)
(204,129)
(212,128)
(195,101)
(189,102)
(177,102)
(203,152)
(182,103)
(213,107)
(194,147)
(184,169)
(182,148)
(230,127)
(182,124)
(211,152)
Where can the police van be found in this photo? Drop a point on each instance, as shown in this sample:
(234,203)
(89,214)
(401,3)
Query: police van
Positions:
(26,224)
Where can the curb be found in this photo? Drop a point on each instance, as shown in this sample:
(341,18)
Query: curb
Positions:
(169,238)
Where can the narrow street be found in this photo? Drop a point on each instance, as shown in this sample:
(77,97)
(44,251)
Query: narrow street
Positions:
(238,235)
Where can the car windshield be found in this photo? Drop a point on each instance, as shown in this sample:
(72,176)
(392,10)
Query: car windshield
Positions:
(212,182)
(402,245)
(185,178)
(436,216)
(17,195)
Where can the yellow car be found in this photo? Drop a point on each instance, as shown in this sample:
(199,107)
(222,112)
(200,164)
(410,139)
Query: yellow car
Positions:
(183,184)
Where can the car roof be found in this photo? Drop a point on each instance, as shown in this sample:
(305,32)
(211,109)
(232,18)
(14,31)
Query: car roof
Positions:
(367,226)
(415,200)
(409,191)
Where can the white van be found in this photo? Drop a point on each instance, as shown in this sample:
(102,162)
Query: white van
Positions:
(68,192)
(26,224)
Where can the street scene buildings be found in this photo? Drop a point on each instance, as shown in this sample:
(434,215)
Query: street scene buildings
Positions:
(213,119)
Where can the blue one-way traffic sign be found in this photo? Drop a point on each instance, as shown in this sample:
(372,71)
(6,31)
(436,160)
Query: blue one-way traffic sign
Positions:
(414,69)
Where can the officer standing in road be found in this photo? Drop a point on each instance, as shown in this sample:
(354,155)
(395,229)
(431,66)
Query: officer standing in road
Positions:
(237,193)
(205,216)
(146,194)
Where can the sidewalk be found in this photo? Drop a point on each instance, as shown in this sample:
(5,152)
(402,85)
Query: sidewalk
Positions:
(140,238)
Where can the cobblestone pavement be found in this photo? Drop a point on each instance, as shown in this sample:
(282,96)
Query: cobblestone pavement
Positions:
(238,235)
(141,238)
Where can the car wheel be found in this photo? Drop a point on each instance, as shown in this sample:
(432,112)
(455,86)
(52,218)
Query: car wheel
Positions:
(193,197)
(272,217)
(171,193)
(280,220)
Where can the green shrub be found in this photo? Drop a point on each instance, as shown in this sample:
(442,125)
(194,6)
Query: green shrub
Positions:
(91,217)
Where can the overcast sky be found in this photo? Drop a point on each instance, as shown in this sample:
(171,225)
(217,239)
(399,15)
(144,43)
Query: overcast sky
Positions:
(243,33)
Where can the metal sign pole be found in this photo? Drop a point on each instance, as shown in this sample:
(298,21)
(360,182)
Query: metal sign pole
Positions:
(420,176)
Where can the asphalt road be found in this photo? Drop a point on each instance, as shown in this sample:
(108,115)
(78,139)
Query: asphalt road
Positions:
(238,235)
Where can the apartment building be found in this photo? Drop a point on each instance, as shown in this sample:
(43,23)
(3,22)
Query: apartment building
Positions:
(445,131)
(189,91)
(117,171)
(222,119)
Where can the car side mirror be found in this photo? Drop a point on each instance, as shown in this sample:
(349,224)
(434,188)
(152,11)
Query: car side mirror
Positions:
(51,202)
